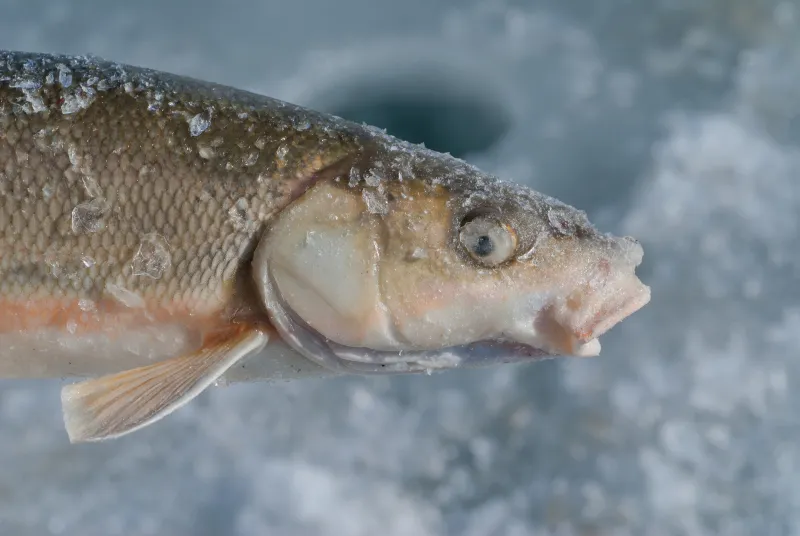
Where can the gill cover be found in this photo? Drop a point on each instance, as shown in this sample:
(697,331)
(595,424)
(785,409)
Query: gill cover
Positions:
(317,272)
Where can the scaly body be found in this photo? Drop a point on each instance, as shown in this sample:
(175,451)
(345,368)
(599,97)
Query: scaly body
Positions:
(100,161)
(135,198)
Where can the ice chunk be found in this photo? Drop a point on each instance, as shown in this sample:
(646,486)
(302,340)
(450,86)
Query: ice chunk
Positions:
(239,215)
(280,155)
(124,296)
(86,305)
(88,217)
(152,258)
(418,254)
(250,159)
(77,101)
(25,83)
(354,177)
(372,180)
(199,124)
(47,140)
(34,101)
(376,202)
(91,186)
(64,75)
(206,152)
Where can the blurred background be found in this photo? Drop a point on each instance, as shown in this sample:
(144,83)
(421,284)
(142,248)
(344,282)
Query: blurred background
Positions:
(672,120)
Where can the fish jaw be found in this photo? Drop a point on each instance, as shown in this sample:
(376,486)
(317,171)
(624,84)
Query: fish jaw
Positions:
(604,294)
(597,294)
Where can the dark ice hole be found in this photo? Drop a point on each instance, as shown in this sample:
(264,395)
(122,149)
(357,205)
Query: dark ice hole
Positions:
(449,116)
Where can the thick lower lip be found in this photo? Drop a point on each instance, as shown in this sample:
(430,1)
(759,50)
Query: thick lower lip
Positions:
(613,312)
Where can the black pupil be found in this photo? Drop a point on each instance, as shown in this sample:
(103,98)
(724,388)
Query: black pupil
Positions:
(484,246)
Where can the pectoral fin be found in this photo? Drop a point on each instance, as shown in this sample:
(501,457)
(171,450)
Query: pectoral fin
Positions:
(118,404)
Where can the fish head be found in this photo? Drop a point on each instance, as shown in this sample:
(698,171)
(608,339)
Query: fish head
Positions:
(417,274)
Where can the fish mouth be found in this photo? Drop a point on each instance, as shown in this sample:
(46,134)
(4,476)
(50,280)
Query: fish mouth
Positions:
(574,324)
(611,313)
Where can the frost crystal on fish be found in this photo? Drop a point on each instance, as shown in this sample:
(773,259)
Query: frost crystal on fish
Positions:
(250,159)
(34,103)
(72,153)
(354,177)
(280,154)
(77,101)
(206,152)
(124,296)
(22,82)
(51,259)
(64,75)
(376,202)
(372,180)
(86,305)
(91,186)
(418,254)
(240,216)
(152,258)
(199,124)
(154,100)
(46,140)
(88,216)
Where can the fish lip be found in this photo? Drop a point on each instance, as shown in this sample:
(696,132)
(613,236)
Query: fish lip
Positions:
(612,313)
(574,324)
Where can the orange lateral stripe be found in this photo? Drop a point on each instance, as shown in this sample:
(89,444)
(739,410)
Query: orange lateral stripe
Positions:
(74,316)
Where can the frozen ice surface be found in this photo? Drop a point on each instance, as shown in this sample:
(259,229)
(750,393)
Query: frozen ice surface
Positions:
(676,122)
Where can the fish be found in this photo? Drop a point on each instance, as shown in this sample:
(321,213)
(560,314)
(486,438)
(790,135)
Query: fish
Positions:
(160,233)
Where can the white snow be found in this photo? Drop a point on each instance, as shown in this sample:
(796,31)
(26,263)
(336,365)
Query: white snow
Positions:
(685,425)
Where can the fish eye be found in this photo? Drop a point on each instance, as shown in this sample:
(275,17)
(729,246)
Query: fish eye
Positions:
(488,240)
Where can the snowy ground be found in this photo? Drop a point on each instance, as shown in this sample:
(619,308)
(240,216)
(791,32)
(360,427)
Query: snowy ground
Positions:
(675,121)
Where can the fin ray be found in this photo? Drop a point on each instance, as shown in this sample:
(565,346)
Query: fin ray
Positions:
(118,404)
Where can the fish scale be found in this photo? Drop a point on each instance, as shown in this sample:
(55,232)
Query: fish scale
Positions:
(154,175)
